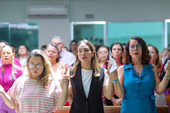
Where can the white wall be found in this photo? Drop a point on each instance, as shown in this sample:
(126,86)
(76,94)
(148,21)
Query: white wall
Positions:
(15,11)
(103,10)
(120,10)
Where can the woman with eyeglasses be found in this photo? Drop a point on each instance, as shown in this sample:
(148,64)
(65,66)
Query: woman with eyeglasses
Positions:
(139,78)
(37,91)
(88,81)
(9,72)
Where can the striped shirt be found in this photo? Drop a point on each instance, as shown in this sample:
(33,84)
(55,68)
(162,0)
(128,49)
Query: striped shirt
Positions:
(30,97)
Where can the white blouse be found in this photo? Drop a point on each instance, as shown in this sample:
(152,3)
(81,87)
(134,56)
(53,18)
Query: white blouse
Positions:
(86,80)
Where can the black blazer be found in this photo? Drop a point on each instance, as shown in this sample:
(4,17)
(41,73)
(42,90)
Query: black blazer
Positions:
(92,104)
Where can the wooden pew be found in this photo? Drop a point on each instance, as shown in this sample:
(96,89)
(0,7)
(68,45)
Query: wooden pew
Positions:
(167,97)
(113,109)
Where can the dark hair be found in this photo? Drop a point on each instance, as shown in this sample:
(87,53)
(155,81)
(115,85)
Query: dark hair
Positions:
(145,52)
(123,44)
(71,43)
(4,42)
(43,47)
(26,49)
(116,43)
(13,46)
(56,46)
(106,63)
(65,48)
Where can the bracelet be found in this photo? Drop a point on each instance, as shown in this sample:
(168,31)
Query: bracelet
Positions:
(167,77)
(115,81)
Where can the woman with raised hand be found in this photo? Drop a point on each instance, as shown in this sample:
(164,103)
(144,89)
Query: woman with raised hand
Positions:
(53,54)
(139,78)
(154,54)
(9,72)
(36,91)
(88,80)
(117,52)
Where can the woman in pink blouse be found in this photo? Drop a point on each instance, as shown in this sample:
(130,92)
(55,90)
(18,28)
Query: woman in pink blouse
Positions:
(9,72)
(37,91)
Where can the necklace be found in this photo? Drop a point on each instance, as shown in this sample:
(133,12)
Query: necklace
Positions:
(138,73)
(12,74)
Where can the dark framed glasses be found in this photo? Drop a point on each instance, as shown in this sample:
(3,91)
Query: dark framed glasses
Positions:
(138,47)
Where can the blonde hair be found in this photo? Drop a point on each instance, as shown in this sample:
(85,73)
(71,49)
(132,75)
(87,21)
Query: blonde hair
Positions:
(163,52)
(94,61)
(46,75)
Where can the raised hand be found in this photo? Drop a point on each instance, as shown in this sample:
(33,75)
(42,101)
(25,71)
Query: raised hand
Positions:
(113,75)
(63,70)
(64,77)
(167,68)
(64,81)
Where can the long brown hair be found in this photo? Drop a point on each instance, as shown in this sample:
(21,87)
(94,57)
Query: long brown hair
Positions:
(145,52)
(158,62)
(44,78)
(94,62)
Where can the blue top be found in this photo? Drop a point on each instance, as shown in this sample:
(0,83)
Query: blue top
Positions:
(139,91)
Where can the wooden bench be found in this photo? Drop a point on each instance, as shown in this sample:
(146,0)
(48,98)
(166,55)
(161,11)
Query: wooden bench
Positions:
(167,97)
(113,109)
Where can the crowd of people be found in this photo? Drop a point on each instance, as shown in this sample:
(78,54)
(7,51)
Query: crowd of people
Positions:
(41,80)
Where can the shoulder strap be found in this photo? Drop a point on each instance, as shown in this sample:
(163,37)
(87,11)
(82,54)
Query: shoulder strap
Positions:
(71,73)
(102,72)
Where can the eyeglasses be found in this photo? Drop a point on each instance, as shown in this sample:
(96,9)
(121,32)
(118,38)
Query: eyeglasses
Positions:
(59,43)
(138,47)
(33,66)
(53,52)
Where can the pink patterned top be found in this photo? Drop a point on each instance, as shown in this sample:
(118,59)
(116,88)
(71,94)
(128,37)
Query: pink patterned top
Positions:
(31,97)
